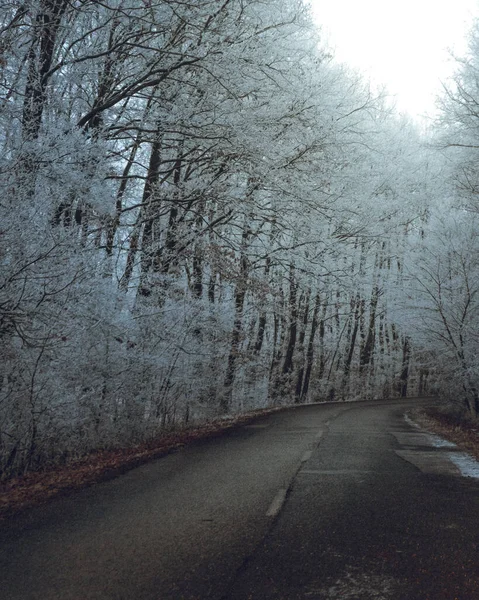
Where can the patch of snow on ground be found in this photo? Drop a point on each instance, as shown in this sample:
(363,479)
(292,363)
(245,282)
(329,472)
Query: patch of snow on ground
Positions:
(438,442)
(468,466)
(409,421)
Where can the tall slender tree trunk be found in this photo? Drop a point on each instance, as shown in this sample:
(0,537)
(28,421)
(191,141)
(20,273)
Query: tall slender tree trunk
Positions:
(197,286)
(366,355)
(171,240)
(225,401)
(351,343)
(145,217)
(288,363)
(278,346)
(239,299)
(115,221)
(406,355)
(301,339)
(39,62)
(40,58)
(149,210)
(310,348)
(213,273)
(262,318)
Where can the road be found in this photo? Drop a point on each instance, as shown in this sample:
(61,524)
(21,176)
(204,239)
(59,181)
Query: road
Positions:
(319,502)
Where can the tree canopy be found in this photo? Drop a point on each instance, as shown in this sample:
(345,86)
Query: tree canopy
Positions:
(203,212)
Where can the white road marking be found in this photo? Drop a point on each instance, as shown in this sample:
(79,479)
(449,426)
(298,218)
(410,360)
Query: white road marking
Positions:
(277,503)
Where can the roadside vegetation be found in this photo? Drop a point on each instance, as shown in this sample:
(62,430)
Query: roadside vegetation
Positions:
(203,213)
(25,491)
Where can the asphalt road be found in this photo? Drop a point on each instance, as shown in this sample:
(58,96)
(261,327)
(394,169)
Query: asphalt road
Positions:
(315,503)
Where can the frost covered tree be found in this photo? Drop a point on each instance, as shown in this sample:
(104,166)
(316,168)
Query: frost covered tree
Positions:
(443,286)
(199,216)
(442,271)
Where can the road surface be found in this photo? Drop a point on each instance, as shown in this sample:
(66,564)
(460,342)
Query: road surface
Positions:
(316,503)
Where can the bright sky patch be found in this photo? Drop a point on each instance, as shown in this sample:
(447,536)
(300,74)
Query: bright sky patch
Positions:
(402,45)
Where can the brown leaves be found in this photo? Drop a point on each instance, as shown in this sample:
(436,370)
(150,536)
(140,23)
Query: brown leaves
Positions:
(462,432)
(26,491)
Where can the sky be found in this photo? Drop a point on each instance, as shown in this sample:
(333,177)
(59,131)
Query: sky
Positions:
(404,45)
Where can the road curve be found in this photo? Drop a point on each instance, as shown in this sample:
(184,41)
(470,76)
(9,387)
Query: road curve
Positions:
(319,502)
(379,512)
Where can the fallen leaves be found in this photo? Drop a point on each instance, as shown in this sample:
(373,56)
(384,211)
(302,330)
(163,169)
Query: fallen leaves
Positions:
(462,432)
(26,491)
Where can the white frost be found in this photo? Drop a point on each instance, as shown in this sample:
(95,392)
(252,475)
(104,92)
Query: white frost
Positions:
(468,466)
(438,442)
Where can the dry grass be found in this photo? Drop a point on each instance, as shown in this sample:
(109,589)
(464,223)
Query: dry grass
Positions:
(457,429)
(26,491)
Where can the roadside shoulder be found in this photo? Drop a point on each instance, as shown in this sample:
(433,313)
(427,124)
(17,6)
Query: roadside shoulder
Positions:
(26,491)
(464,433)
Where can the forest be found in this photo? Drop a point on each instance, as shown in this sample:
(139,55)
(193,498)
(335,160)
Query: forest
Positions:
(202,213)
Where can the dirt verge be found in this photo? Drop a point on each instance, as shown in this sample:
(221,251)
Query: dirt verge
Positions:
(29,490)
(450,426)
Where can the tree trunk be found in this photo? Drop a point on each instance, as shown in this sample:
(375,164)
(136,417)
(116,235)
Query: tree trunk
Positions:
(239,298)
(171,241)
(115,221)
(293,324)
(40,58)
(279,342)
(310,349)
(366,354)
(225,402)
(406,355)
(262,319)
(197,286)
(302,337)
(352,343)
(148,217)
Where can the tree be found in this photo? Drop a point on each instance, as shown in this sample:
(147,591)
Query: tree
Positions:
(199,215)
(444,287)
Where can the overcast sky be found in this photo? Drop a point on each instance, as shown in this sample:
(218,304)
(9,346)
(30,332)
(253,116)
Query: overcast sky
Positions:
(401,44)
